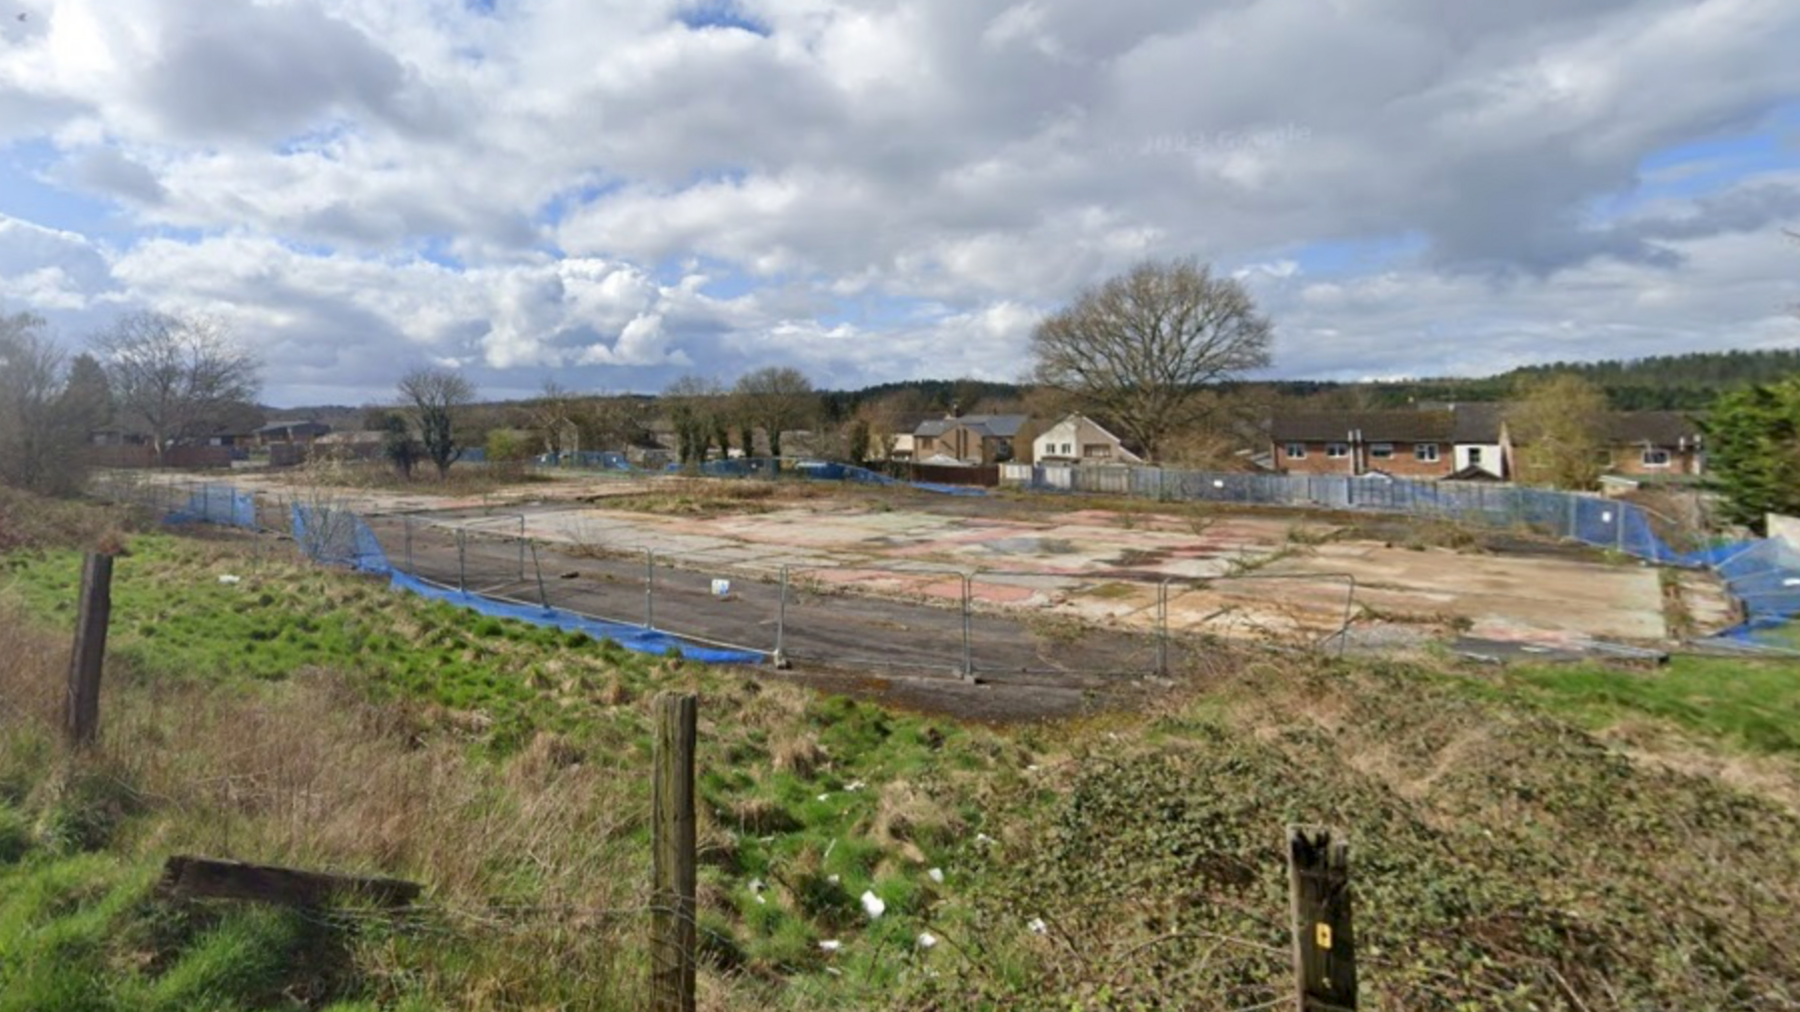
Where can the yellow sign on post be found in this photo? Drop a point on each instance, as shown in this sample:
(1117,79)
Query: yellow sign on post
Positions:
(1322,934)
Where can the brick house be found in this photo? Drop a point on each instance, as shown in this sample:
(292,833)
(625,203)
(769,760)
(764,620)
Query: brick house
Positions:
(1650,443)
(974,439)
(1638,444)
(1404,444)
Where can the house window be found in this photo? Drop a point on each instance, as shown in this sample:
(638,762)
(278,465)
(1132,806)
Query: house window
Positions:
(922,443)
(1654,457)
(1381,451)
(1337,451)
(1425,452)
(1474,456)
(1068,449)
(1296,451)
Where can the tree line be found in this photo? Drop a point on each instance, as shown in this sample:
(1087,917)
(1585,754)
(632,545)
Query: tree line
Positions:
(171,378)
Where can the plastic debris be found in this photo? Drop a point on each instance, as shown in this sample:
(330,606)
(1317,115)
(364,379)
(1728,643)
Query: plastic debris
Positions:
(855,785)
(1033,768)
(936,875)
(230,580)
(872,905)
(721,588)
(830,945)
(833,879)
(927,940)
(757,885)
(1038,927)
(984,839)
(822,797)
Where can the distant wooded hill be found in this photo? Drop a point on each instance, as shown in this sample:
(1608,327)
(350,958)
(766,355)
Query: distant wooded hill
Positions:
(1659,382)
(1668,382)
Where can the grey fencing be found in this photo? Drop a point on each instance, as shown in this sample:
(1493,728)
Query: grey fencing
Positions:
(1604,523)
(901,618)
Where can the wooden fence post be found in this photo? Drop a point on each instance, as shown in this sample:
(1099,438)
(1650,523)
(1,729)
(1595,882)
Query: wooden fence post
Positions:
(1324,945)
(674,937)
(82,713)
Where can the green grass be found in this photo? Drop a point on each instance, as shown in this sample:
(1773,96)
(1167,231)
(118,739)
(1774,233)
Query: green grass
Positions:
(173,618)
(1140,839)
(500,683)
(1752,705)
(86,931)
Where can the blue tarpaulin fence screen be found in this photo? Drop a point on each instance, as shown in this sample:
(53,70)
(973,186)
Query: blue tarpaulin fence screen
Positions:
(636,638)
(338,537)
(1764,574)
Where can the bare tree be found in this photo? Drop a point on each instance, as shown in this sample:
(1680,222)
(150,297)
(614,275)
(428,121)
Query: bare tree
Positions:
(777,398)
(31,371)
(616,422)
(176,377)
(555,417)
(697,409)
(436,397)
(1139,347)
(891,416)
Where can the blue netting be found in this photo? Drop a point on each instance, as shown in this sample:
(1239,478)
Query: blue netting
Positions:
(819,470)
(591,459)
(216,504)
(635,638)
(1765,576)
(338,537)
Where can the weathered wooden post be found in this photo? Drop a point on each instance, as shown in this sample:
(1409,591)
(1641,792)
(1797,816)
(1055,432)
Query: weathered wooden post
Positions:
(1324,945)
(674,937)
(82,714)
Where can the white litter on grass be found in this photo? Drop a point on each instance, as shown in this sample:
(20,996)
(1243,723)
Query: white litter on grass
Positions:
(1038,927)
(984,838)
(230,580)
(872,905)
(927,940)
(830,945)
(856,785)
(822,797)
(757,885)
(1033,768)
(833,879)
(936,875)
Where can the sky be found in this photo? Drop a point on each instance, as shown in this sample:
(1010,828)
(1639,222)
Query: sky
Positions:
(615,193)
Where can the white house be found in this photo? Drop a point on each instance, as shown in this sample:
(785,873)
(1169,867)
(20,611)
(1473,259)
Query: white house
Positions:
(1479,435)
(1078,439)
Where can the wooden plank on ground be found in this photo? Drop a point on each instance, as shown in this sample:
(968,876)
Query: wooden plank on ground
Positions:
(192,877)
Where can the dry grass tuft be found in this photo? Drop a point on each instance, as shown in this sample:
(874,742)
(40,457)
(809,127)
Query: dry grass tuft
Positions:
(907,817)
(799,754)
(761,816)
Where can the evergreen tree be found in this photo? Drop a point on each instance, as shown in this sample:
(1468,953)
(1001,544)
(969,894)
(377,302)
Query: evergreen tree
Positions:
(1753,451)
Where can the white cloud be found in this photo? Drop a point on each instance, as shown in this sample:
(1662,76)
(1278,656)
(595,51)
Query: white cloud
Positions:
(958,168)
